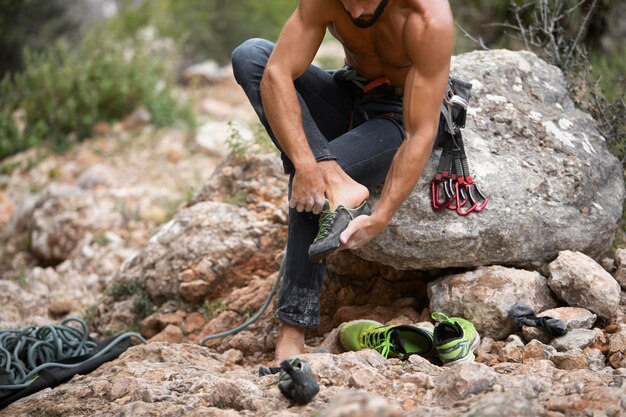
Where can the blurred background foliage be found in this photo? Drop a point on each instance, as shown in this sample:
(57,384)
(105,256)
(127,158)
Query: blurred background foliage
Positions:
(67,64)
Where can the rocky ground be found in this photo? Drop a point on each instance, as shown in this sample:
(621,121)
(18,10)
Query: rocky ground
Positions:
(175,234)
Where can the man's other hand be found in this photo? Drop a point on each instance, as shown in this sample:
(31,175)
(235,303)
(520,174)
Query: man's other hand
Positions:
(360,231)
(307,190)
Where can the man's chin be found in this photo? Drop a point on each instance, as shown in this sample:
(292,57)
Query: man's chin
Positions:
(365,23)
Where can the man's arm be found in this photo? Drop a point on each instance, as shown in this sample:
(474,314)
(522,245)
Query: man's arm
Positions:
(296,47)
(429,45)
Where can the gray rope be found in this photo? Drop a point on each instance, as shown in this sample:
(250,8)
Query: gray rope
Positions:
(258,314)
(25,352)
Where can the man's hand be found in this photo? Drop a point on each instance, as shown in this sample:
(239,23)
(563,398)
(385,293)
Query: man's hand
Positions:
(360,231)
(307,190)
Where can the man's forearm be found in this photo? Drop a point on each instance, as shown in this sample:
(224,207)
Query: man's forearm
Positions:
(283,112)
(405,171)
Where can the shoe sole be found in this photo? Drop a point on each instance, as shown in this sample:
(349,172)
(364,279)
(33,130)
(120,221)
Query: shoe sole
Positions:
(332,242)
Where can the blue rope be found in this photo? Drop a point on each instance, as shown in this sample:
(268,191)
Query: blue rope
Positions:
(25,352)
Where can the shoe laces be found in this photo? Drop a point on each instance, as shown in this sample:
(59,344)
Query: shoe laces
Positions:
(378,338)
(439,317)
(327,219)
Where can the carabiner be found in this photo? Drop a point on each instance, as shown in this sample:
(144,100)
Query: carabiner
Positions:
(436,186)
(459,193)
(459,209)
(482,199)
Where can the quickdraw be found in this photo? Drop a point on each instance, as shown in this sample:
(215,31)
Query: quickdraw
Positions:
(453,187)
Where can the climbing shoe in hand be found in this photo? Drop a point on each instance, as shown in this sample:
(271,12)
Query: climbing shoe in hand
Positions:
(296,381)
(456,339)
(399,341)
(332,223)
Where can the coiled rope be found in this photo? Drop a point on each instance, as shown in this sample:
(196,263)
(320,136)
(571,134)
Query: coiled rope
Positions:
(25,352)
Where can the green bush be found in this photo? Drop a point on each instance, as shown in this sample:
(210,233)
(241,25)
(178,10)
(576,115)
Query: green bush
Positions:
(62,93)
(206,29)
(34,24)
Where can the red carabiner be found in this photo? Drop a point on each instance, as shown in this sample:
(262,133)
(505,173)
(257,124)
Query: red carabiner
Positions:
(475,200)
(459,208)
(436,186)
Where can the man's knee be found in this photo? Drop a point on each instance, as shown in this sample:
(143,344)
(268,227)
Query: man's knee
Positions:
(251,55)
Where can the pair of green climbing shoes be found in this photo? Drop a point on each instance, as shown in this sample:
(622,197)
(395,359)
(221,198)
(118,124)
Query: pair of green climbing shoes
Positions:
(453,340)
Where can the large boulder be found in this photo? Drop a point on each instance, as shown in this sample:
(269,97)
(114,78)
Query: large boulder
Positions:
(551,182)
(485,297)
(581,282)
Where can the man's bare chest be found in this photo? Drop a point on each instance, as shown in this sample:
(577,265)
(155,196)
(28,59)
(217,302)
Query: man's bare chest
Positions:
(374,53)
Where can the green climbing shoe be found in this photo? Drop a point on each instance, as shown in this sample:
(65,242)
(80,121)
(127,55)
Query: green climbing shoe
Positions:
(456,339)
(399,341)
(331,224)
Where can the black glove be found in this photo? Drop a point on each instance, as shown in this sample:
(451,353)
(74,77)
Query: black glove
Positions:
(298,384)
(521,314)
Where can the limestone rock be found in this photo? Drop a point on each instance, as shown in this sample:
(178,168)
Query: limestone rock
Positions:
(223,233)
(171,334)
(535,350)
(581,282)
(551,182)
(187,380)
(513,351)
(360,404)
(486,295)
(207,72)
(257,176)
(617,348)
(620,262)
(213,137)
(61,217)
(502,405)
(576,338)
(464,379)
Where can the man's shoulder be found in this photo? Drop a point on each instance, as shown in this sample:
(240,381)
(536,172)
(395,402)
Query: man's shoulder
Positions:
(429,18)
(319,10)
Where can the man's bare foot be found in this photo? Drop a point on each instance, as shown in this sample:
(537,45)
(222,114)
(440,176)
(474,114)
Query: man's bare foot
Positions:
(341,189)
(289,343)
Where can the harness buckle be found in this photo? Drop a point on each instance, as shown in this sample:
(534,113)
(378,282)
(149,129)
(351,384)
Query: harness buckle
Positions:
(376,83)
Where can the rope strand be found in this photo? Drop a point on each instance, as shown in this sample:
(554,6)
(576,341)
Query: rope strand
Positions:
(25,352)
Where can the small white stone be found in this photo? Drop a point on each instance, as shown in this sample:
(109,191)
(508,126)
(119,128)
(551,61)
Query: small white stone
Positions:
(497,99)
(565,124)
(535,116)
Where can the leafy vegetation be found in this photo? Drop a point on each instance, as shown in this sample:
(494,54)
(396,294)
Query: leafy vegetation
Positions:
(212,308)
(206,29)
(63,92)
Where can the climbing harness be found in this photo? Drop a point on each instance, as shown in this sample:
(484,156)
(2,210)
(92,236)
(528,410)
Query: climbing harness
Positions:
(34,358)
(377,96)
(453,186)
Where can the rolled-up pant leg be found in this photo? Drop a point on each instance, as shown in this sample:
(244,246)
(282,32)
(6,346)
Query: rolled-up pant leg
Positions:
(365,153)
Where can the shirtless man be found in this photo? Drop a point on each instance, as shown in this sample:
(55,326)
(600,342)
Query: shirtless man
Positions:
(335,142)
